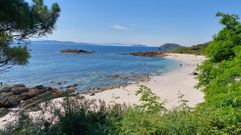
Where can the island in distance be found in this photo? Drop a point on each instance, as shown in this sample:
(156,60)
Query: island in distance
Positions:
(76,51)
(170,46)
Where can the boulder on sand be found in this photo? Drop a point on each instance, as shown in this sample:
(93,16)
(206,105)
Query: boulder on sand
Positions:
(194,73)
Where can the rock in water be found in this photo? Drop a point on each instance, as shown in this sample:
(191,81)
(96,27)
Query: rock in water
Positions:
(18,85)
(76,51)
(71,90)
(39,87)
(119,76)
(149,54)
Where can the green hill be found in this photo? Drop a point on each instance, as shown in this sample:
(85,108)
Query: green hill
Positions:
(195,49)
(170,46)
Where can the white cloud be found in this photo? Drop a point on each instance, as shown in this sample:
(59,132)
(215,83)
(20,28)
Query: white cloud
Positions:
(119,27)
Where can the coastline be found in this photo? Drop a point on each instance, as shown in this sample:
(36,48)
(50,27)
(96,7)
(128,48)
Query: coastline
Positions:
(167,86)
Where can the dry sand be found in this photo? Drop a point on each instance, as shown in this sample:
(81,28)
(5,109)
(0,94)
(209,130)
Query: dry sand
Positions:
(167,86)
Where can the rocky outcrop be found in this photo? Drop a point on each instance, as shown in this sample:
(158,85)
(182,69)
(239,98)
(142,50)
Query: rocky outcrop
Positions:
(75,51)
(149,54)
(143,78)
(12,96)
(119,76)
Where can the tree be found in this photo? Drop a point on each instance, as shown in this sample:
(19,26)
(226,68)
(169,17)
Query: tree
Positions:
(220,75)
(222,47)
(19,21)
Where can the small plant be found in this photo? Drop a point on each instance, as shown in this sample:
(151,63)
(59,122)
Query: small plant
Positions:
(149,101)
(183,102)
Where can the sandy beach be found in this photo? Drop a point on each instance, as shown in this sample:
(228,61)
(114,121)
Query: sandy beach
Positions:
(167,86)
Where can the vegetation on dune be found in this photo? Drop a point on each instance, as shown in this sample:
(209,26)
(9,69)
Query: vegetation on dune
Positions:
(219,78)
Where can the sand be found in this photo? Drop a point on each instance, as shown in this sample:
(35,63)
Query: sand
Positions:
(167,86)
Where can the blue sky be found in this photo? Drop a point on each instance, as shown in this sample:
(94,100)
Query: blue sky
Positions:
(151,22)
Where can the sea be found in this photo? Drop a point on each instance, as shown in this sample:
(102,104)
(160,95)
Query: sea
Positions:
(49,67)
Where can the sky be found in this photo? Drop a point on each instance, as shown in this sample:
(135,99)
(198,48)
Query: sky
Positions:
(149,22)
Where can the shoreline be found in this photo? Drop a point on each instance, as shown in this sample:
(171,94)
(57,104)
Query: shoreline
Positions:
(168,86)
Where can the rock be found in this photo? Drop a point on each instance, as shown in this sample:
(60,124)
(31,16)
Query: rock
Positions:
(115,76)
(5,94)
(27,95)
(59,83)
(75,51)
(13,100)
(194,73)
(48,89)
(3,98)
(71,90)
(39,87)
(56,90)
(18,90)
(6,89)
(149,54)
(10,101)
(3,112)
(92,94)
(119,76)
(143,78)
(12,96)
(40,91)
(13,87)
(32,93)
(18,85)
(74,85)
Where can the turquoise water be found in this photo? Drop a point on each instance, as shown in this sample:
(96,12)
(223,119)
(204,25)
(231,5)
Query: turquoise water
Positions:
(49,67)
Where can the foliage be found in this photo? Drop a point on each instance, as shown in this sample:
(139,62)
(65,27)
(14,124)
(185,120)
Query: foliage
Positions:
(88,117)
(19,21)
(221,73)
(149,101)
(180,120)
(195,49)
(77,116)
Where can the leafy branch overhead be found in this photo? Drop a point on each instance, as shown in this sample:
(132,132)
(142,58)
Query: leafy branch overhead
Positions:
(20,20)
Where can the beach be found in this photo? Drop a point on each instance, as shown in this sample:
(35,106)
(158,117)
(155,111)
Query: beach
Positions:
(168,86)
